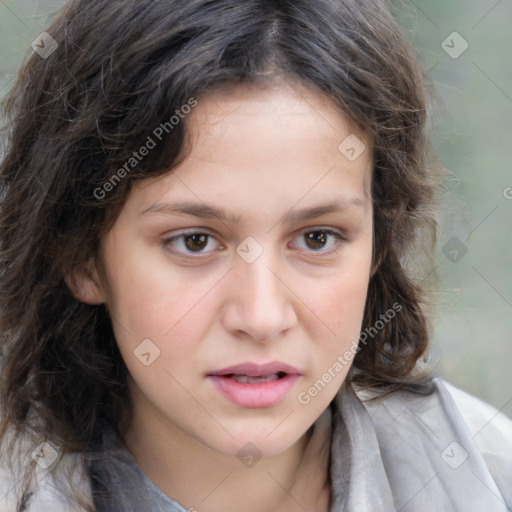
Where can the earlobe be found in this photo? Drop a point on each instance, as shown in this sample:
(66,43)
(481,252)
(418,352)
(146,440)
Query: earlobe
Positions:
(85,285)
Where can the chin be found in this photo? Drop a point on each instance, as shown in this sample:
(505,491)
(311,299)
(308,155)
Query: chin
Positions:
(260,442)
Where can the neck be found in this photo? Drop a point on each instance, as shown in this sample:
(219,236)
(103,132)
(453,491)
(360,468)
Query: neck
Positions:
(202,479)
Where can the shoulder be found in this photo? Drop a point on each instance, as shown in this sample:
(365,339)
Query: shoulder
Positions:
(490,430)
(447,424)
(484,423)
(32,483)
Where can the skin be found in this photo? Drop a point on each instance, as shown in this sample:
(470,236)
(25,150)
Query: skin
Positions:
(262,154)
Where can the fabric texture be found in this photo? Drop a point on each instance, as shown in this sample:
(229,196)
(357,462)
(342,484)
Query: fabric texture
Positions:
(447,451)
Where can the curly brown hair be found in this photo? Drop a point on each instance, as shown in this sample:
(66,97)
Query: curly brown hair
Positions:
(120,68)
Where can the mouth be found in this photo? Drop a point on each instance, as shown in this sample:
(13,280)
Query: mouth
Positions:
(272,371)
(246,379)
(253,385)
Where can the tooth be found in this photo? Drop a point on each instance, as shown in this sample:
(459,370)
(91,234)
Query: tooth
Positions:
(245,379)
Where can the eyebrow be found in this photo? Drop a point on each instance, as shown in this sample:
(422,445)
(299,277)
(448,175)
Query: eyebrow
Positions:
(205,211)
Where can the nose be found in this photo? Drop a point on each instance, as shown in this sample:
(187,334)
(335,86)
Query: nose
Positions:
(260,306)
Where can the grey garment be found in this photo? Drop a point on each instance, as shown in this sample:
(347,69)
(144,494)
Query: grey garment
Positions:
(118,483)
(411,453)
(406,453)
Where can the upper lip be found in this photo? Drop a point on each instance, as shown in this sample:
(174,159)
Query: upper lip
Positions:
(257,370)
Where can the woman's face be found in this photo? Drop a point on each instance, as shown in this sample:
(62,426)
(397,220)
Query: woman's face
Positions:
(237,282)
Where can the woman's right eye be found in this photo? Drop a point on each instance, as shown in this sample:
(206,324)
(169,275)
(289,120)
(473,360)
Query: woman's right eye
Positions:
(191,243)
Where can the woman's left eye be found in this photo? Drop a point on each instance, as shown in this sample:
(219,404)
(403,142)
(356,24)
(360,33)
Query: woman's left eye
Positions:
(315,240)
(321,240)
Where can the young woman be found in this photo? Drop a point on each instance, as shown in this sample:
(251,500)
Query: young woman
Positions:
(206,303)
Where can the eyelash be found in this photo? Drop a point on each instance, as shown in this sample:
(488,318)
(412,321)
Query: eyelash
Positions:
(339,241)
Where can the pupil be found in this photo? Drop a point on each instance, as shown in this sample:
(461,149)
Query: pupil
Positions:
(317,238)
(198,242)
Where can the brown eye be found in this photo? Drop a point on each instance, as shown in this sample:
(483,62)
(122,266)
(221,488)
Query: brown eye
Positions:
(322,241)
(191,243)
(196,242)
(316,239)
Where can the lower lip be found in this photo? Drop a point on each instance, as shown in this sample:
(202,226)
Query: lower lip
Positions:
(259,394)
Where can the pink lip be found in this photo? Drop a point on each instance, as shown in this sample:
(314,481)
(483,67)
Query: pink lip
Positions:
(258,394)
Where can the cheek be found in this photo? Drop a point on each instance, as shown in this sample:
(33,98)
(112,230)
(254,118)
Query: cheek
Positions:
(169,310)
(339,299)
(339,315)
(148,298)
(338,308)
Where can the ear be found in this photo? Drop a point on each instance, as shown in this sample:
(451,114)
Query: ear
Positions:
(85,284)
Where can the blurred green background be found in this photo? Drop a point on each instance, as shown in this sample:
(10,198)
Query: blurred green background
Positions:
(466,47)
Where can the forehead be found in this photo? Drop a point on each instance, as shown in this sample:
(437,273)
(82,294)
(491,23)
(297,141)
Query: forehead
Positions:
(276,140)
(284,109)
